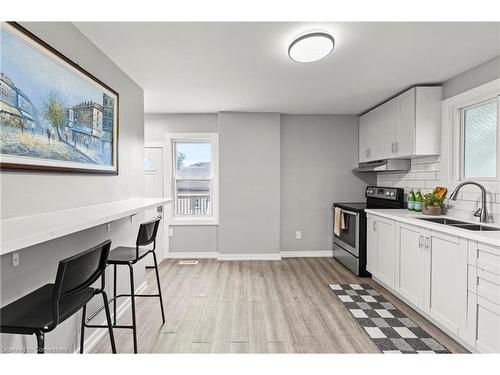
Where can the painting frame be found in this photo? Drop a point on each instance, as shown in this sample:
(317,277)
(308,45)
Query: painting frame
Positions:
(54,165)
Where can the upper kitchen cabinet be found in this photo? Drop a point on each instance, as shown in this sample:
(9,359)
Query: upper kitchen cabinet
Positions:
(407,125)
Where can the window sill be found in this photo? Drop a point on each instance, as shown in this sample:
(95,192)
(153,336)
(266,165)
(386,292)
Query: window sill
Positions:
(197,221)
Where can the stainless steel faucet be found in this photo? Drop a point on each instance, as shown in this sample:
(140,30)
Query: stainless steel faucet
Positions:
(481,212)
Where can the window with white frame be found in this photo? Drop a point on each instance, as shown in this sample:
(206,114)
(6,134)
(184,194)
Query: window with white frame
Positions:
(479,156)
(194,166)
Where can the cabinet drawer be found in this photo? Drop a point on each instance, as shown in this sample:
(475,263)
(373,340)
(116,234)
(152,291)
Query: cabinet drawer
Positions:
(488,286)
(485,257)
(484,283)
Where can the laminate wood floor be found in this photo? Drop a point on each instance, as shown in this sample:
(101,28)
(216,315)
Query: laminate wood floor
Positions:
(253,307)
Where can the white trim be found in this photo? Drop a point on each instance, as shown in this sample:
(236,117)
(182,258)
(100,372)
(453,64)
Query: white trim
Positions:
(307,254)
(193,255)
(450,132)
(154,144)
(169,191)
(192,221)
(99,333)
(163,146)
(274,256)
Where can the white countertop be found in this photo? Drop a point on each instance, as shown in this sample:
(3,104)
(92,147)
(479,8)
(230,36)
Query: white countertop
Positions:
(410,217)
(20,232)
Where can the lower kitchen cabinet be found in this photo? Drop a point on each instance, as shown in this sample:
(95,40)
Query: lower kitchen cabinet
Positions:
(483,312)
(484,319)
(447,280)
(386,251)
(381,249)
(411,262)
(371,245)
(429,269)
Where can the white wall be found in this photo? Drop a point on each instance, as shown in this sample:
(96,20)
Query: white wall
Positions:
(27,193)
(318,153)
(249,183)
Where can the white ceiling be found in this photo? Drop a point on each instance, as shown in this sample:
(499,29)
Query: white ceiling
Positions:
(196,67)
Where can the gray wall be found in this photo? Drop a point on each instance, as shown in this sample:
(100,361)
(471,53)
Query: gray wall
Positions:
(249,183)
(277,175)
(318,153)
(479,75)
(30,193)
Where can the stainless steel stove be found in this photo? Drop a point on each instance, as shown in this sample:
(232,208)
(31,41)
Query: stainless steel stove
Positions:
(349,247)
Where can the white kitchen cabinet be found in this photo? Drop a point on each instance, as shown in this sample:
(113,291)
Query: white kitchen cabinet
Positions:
(484,317)
(364,122)
(483,314)
(387,128)
(411,260)
(446,277)
(404,141)
(386,251)
(381,249)
(371,245)
(407,125)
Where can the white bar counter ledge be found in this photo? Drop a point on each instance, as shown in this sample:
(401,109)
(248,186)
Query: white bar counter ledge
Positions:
(24,231)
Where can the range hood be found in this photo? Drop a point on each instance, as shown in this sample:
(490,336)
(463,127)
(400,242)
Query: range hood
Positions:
(389,165)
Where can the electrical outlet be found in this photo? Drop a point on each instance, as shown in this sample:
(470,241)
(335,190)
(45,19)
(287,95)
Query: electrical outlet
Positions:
(298,235)
(108,227)
(15,259)
(170,232)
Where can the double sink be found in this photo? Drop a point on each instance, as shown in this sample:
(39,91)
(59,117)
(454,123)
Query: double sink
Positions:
(459,224)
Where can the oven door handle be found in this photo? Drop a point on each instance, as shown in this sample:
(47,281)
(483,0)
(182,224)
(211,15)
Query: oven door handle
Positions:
(350,212)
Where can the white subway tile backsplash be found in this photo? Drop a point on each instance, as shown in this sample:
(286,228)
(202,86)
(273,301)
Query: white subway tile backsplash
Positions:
(425,175)
(430,176)
(470,196)
(418,167)
(432,166)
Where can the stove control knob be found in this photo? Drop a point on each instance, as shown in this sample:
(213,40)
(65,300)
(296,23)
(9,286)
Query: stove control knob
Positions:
(387,193)
(393,193)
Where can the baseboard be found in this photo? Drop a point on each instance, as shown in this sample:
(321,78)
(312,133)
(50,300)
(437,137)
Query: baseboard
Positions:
(99,333)
(249,256)
(307,254)
(191,255)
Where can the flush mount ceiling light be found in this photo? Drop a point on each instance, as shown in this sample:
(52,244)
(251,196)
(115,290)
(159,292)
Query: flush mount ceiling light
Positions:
(311,47)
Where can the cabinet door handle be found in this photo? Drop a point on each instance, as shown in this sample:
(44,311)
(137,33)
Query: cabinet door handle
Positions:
(374,225)
(392,148)
(427,242)
(396,147)
(420,241)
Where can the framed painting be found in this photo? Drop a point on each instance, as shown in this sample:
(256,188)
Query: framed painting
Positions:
(54,115)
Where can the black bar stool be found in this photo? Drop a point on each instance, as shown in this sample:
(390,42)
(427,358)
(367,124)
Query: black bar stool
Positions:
(42,310)
(129,256)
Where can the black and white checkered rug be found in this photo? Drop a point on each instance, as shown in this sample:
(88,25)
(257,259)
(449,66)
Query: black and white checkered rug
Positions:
(390,329)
